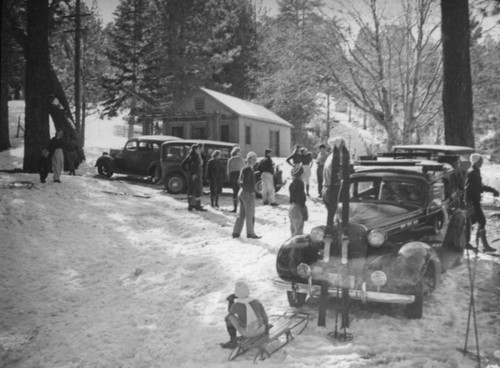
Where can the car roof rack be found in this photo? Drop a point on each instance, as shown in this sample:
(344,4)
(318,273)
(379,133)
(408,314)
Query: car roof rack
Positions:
(439,157)
(426,166)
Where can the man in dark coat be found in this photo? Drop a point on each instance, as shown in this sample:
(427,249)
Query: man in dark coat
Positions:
(473,189)
(193,165)
(215,176)
(266,168)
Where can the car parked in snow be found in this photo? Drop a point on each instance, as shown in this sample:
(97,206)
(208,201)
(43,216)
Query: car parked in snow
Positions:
(174,177)
(140,156)
(407,225)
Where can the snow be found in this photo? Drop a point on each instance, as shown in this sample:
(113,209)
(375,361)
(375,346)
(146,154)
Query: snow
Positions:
(117,273)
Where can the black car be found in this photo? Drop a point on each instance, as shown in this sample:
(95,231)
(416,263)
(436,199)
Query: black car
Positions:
(407,225)
(174,177)
(140,156)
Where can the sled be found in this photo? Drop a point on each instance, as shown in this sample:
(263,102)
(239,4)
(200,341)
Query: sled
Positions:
(17,185)
(285,327)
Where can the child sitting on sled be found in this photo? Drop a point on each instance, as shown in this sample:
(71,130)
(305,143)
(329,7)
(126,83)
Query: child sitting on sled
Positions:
(246,316)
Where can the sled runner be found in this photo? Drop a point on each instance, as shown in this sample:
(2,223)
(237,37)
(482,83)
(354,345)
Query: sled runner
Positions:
(17,185)
(285,326)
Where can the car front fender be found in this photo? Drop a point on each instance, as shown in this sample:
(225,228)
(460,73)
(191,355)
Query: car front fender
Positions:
(108,159)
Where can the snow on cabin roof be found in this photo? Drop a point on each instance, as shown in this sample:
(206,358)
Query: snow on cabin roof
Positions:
(245,108)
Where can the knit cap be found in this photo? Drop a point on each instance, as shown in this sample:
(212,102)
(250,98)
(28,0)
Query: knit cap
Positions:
(297,171)
(475,157)
(241,290)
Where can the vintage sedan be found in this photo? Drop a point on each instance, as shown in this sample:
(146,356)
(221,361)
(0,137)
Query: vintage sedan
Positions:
(140,156)
(404,230)
(174,177)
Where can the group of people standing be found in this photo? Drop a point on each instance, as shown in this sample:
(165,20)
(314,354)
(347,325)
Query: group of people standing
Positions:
(52,158)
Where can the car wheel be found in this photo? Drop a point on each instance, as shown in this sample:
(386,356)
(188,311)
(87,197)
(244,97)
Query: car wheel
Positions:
(423,288)
(458,233)
(258,188)
(175,184)
(296,300)
(104,169)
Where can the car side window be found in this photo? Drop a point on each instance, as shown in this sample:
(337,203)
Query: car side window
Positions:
(131,146)
(143,146)
(155,147)
(175,152)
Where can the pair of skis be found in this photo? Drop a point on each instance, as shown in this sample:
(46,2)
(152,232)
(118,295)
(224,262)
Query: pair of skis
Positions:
(338,192)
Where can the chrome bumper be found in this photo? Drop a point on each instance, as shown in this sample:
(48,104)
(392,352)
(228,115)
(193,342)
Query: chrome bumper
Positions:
(365,296)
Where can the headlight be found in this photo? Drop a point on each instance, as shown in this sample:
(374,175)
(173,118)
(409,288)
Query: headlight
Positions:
(303,270)
(317,234)
(378,278)
(376,238)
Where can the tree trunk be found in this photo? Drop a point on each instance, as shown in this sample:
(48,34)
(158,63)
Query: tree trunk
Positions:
(57,103)
(36,135)
(4,96)
(457,85)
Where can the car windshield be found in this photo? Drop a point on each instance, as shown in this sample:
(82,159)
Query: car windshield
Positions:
(387,190)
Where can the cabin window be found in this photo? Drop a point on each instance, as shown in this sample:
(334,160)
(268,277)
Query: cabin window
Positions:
(224,133)
(248,135)
(199,104)
(178,131)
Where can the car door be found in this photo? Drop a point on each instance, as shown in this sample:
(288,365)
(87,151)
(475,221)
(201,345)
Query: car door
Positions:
(124,159)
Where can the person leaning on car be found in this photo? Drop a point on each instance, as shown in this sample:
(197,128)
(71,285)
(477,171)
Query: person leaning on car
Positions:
(473,189)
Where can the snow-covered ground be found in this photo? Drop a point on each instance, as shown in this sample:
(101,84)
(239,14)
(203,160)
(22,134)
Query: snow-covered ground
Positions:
(117,273)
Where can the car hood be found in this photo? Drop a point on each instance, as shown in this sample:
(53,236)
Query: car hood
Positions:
(374,215)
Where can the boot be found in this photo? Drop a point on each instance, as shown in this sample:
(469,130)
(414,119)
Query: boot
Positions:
(481,234)
(307,189)
(235,204)
(216,202)
(212,200)
(198,205)
(233,341)
(190,204)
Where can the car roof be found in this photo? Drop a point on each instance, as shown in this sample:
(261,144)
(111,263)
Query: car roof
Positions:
(434,148)
(156,138)
(207,142)
(382,166)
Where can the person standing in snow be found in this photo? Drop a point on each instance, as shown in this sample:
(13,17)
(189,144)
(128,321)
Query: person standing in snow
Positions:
(56,146)
(246,316)
(320,166)
(473,189)
(297,211)
(295,157)
(246,197)
(193,165)
(266,168)
(234,166)
(215,176)
(306,160)
(44,165)
(71,155)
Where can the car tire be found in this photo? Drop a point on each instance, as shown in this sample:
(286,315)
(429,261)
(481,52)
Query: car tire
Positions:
(297,300)
(416,310)
(175,183)
(258,188)
(458,232)
(104,169)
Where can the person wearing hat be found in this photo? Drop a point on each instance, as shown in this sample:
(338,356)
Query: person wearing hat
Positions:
(193,165)
(266,168)
(246,316)
(320,166)
(234,166)
(297,212)
(334,161)
(473,189)
(246,197)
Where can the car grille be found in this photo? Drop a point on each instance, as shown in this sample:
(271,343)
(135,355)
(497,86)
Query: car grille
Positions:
(357,248)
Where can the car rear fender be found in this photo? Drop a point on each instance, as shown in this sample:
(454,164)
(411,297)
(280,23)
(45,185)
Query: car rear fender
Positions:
(108,159)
